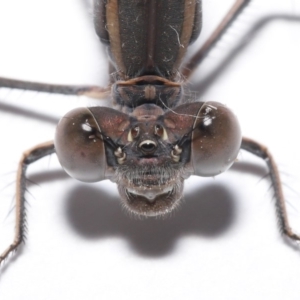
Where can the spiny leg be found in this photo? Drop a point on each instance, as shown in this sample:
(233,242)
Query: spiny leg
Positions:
(27,158)
(198,57)
(262,152)
(79,90)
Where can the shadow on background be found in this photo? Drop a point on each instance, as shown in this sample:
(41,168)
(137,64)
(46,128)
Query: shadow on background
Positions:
(18,110)
(94,214)
(200,87)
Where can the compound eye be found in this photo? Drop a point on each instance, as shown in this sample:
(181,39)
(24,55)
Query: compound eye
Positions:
(79,146)
(216,139)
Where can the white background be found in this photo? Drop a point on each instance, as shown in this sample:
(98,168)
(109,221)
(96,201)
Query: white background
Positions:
(223,243)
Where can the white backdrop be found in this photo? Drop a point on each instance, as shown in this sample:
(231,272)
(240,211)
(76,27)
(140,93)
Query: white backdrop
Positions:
(223,243)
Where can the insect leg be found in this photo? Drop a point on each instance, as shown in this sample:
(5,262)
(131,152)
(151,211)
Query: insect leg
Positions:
(262,152)
(27,158)
(85,90)
(229,18)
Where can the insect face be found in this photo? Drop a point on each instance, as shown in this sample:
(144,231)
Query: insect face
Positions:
(150,152)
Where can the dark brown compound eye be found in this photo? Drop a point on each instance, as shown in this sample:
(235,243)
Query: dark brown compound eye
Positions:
(79,146)
(216,139)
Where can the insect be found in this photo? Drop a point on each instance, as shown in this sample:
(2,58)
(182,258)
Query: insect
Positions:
(152,141)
